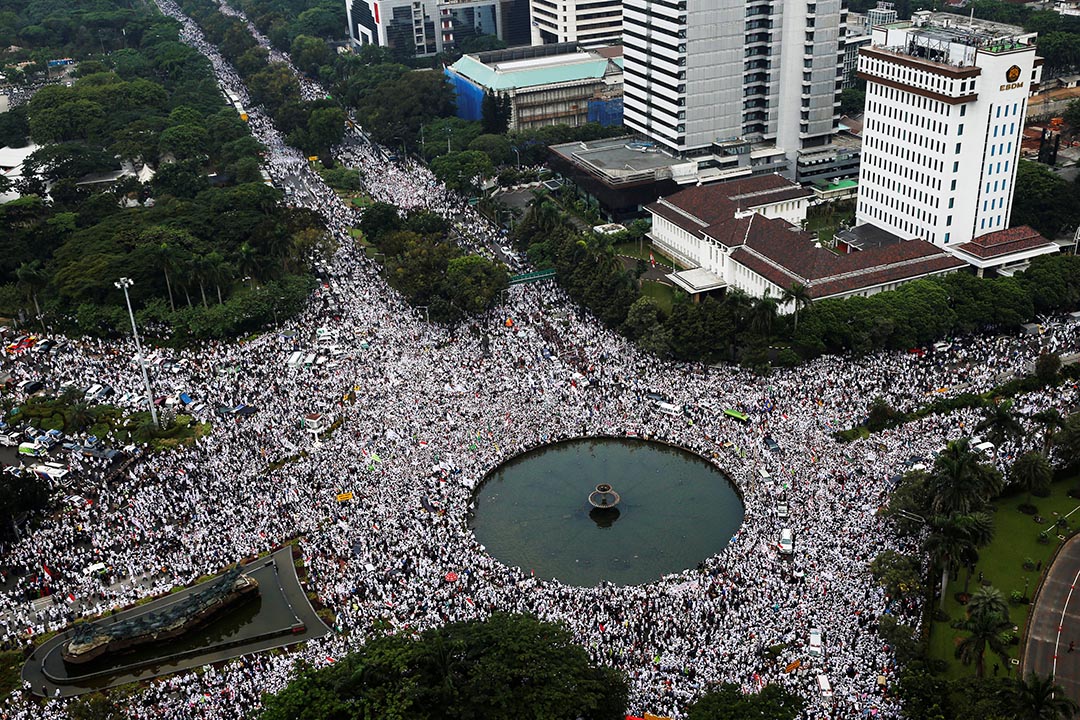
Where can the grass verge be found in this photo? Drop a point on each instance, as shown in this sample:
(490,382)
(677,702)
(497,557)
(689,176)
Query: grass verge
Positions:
(1002,564)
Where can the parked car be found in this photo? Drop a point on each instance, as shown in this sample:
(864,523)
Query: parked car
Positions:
(815,648)
(787,542)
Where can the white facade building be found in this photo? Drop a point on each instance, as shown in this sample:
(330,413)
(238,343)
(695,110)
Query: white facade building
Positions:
(718,71)
(589,23)
(945,106)
(745,234)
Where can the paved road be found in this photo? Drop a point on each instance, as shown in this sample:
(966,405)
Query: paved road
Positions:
(1055,622)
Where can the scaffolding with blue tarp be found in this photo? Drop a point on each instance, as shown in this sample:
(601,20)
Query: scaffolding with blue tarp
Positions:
(470,97)
(606,112)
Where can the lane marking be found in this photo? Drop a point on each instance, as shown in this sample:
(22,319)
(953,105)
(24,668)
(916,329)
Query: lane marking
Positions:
(1061,624)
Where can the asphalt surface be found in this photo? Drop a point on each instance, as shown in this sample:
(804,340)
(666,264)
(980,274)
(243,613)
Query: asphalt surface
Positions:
(1055,623)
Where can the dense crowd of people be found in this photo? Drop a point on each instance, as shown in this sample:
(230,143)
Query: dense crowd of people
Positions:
(426,412)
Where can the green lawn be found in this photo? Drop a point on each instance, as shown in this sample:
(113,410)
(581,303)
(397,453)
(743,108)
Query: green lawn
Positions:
(630,249)
(823,220)
(1002,565)
(663,294)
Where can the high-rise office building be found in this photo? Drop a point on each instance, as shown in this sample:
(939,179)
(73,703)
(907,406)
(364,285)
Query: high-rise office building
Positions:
(589,23)
(719,71)
(945,106)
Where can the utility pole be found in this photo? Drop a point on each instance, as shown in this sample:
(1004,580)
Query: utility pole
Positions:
(124,283)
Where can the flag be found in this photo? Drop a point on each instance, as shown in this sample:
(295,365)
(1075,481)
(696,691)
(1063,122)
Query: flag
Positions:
(652,260)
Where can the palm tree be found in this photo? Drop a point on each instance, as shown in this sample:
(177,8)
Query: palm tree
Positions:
(959,483)
(949,545)
(1038,698)
(979,527)
(800,296)
(763,315)
(217,271)
(1050,420)
(1032,472)
(988,601)
(248,263)
(166,257)
(81,415)
(31,277)
(999,423)
(200,268)
(987,631)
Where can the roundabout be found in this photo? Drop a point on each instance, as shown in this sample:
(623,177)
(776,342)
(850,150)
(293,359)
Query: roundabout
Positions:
(672,510)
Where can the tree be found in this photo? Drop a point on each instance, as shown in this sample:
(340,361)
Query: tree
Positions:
(22,493)
(495,111)
(496,147)
(763,316)
(492,669)
(852,101)
(949,545)
(326,128)
(185,142)
(800,297)
(1047,367)
(1050,420)
(960,483)
(999,423)
(1043,200)
(1038,698)
(309,53)
(988,601)
(473,283)
(899,574)
(461,170)
(729,702)
(1067,441)
(379,218)
(986,632)
(1032,473)
(32,278)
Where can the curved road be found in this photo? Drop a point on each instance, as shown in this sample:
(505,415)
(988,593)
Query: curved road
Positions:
(1055,622)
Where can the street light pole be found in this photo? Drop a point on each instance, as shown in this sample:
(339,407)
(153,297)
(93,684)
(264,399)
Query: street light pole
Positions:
(518,156)
(124,283)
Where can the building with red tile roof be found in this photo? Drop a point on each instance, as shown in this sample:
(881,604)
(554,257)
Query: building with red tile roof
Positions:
(727,240)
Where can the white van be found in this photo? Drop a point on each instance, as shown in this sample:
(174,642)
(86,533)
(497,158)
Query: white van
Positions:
(824,687)
(764,473)
(295,359)
(987,448)
(92,392)
(57,473)
(667,408)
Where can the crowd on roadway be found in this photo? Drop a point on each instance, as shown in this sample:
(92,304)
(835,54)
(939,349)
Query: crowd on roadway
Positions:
(426,412)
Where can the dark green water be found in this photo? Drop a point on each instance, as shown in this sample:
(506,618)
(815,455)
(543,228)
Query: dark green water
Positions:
(676,510)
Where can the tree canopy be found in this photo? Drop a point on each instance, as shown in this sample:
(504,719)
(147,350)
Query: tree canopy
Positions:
(508,666)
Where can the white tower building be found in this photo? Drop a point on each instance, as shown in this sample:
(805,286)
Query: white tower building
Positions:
(945,107)
(589,23)
(708,71)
